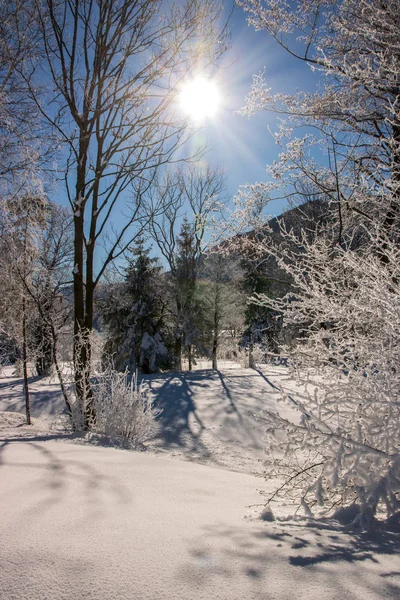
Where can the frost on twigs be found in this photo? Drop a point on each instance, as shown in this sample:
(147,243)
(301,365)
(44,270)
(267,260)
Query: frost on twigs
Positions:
(124,409)
(338,147)
(121,408)
(345,447)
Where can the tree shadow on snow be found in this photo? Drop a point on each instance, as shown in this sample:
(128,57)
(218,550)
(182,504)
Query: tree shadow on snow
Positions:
(179,423)
(286,552)
(15,382)
(58,474)
(223,404)
(45,401)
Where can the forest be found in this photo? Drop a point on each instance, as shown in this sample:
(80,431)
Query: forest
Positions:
(135,284)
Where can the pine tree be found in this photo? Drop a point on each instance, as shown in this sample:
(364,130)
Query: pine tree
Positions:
(262,323)
(187,306)
(134,312)
(224,302)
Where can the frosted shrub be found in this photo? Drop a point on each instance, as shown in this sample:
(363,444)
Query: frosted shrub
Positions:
(80,404)
(345,449)
(339,146)
(123,408)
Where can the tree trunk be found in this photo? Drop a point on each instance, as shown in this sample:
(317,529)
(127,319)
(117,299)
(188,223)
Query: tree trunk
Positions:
(79,345)
(190,356)
(216,331)
(252,364)
(44,360)
(25,363)
(214,353)
(82,324)
(58,370)
(90,413)
(178,352)
(84,392)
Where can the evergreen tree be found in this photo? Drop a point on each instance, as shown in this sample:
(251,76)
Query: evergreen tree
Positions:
(187,307)
(223,302)
(134,313)
(263,324)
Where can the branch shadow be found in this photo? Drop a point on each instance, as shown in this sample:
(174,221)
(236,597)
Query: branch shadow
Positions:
(45,400)
(312,554)
(276,388)
(174,397)
(56,473)
(263,376)
(228,393)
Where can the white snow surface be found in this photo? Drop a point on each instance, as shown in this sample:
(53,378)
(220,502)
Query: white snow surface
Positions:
(84,522)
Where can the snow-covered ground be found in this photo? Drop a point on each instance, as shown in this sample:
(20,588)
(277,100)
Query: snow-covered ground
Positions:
(78,521)
(46,398)
(207,415)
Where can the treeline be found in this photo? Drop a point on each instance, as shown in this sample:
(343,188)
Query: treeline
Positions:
(157,318)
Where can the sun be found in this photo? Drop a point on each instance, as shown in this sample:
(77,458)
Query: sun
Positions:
(199,98)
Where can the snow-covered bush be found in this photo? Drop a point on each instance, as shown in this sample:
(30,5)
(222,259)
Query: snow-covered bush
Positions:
(124,409)
(153,353)
(345,449)
(114,405)
(339,145)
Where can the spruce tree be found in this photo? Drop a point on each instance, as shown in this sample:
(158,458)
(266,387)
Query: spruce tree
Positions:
(134,313)
(187,306)
(263,324)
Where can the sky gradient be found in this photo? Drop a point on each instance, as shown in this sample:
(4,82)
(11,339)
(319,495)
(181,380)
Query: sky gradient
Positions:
(243,146)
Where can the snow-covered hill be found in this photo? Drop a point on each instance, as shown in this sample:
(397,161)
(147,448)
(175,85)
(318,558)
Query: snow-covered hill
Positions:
(80,522)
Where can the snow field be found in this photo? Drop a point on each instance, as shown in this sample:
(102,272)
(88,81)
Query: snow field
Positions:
(84,522)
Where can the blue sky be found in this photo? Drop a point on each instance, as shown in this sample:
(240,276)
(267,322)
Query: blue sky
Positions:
(243,146)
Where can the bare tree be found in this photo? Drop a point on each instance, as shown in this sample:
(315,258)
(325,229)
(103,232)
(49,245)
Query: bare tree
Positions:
(199,192)
(353,46)
(345,278)
(51,282)
(196,192)
(115,68)
(22,147)
(35,264)
(20,219)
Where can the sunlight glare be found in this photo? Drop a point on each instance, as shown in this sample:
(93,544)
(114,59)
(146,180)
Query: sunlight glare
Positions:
(199,98)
